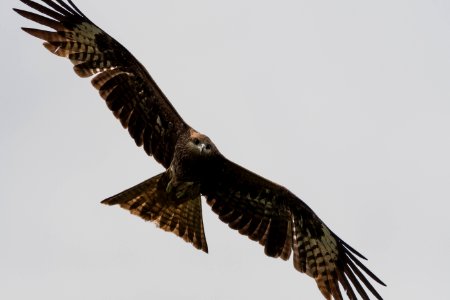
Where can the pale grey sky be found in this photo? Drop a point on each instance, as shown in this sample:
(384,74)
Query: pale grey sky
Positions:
(346,103)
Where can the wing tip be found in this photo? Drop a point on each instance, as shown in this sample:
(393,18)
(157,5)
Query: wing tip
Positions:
(25,1)
(350,248)
(38,33)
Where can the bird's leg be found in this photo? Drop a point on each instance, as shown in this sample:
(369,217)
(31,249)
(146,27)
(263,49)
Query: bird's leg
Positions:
(181,190)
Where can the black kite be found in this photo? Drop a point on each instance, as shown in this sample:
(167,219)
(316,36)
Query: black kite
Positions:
(264,211)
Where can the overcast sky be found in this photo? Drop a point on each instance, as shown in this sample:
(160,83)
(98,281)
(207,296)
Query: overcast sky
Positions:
(346,103)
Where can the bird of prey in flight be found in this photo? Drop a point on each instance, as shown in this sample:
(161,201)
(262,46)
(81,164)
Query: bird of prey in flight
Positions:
(264,211)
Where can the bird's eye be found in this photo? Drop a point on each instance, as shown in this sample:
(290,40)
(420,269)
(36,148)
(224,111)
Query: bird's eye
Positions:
(208,146)
(196,141)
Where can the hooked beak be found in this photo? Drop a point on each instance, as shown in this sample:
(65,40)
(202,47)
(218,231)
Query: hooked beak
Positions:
(201,147)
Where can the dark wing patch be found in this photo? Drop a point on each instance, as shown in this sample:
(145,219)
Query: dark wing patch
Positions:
(254,209)
(125,85)
(283,224)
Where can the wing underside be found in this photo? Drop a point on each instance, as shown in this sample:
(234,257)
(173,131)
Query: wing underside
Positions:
(125,85)
(283,224)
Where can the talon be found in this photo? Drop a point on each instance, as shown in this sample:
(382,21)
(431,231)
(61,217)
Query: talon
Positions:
(169,187)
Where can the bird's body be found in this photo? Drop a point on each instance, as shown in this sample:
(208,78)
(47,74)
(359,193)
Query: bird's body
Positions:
(263,210)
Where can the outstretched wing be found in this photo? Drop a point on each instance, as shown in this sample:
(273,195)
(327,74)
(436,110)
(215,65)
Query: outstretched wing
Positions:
(282,223)
(125,85)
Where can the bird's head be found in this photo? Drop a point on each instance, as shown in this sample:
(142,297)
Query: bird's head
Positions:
(200,144)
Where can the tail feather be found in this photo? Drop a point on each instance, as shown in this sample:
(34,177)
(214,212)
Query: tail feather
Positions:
(149,200)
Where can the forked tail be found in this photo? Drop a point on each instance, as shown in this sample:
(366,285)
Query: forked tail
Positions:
(149,200)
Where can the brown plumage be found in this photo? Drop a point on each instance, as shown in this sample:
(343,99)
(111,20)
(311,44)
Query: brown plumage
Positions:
(258,208)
